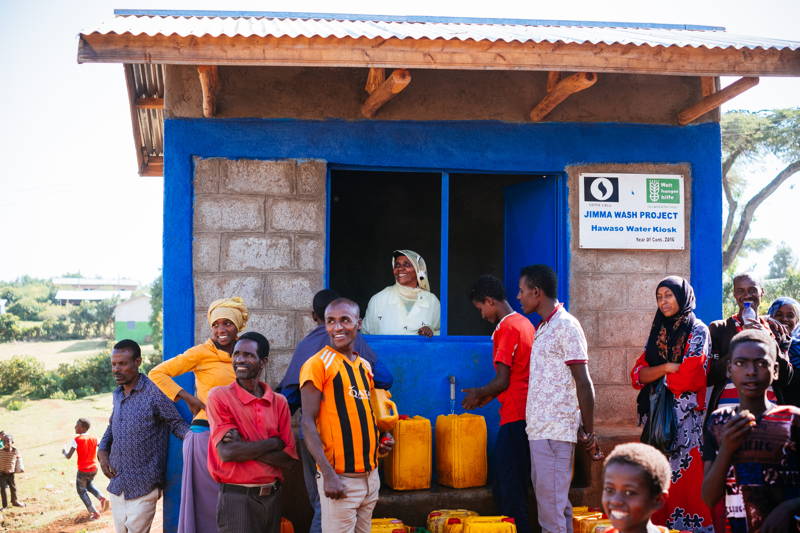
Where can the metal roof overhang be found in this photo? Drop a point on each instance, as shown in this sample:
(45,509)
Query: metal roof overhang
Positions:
(316,51)
(145,41)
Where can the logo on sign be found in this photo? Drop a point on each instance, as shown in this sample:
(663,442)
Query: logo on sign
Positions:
(663,191)
(603,189)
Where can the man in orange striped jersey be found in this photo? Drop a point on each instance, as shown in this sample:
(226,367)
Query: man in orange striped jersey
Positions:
(339,426)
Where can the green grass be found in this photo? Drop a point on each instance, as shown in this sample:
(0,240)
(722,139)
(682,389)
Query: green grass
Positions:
(40,429)
(84,345)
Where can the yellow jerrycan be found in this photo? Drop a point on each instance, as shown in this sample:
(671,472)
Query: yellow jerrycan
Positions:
(408,465)
(387,525)
(384,409)
(461,450)
(438,518)
(481,524)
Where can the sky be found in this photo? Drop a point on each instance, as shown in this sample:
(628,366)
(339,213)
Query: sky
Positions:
(72,201)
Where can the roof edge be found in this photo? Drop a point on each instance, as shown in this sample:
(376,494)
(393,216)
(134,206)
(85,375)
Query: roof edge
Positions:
(409,18)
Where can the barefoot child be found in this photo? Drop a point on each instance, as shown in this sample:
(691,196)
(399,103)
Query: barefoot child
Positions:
(10,464)
(759,438)
(636,481)
(86,446)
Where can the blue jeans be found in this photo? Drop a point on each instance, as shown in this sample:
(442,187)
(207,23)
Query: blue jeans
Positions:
(512,466)
(83,483)
(310,478)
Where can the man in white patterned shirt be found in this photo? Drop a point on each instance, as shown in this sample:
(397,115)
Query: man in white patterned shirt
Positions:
(560,406)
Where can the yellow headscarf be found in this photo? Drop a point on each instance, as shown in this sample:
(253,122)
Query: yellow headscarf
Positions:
(233,309)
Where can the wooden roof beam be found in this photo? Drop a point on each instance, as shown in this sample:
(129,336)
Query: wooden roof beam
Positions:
(714,100)
(436,54)
(149,103)
(209,83)
(561,91)
(385,91)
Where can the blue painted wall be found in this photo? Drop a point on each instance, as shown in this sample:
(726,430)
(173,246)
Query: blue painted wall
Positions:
(455,146)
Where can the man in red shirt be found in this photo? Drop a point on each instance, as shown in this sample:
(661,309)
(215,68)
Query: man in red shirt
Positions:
(511,353)
(251,442)
(86,446)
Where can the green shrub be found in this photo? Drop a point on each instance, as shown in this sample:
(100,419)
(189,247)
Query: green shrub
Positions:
(90,375)
(57,330)
(69,395)
(9,327)
(23,373)
(26,308)
(15,405)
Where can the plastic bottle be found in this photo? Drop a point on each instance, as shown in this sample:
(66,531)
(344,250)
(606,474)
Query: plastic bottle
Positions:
(749,316)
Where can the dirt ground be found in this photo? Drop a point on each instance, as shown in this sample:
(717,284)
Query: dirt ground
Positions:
(41,429)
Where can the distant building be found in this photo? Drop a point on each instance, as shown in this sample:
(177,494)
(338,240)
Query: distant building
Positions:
(3,302)
(132,320)
(76,290)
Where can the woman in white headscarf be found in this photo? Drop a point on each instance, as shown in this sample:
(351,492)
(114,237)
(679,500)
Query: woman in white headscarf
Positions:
(408,307)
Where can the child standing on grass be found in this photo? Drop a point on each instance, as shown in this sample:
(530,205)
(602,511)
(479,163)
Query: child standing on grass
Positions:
(10,464)
(760,439)
(636,481)
(86,446)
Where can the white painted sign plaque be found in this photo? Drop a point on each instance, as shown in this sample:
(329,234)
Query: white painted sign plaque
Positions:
(631,211)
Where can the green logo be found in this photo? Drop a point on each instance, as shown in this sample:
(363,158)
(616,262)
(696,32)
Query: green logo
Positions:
(663,191)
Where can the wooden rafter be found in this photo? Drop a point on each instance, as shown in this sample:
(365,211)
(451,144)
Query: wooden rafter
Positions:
(374,79)
(560,92)
(553,77)
(435,54)
(149,103)
(209,83)
(708,85)
(388,89)
(714,100)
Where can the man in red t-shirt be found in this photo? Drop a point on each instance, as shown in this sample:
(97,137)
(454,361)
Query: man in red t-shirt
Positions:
(511,353)
(250,444)
(86,446)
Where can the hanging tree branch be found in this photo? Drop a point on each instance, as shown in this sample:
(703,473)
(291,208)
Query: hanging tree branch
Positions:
(733,205)
(750,208)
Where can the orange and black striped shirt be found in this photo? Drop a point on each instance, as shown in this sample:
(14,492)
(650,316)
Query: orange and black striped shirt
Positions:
(345,422)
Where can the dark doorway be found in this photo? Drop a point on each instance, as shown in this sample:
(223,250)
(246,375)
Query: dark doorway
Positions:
(374,213)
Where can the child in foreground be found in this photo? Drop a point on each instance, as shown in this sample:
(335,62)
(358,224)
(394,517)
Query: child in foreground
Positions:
(86,446)
(759,438)
(636,481)
(10,464)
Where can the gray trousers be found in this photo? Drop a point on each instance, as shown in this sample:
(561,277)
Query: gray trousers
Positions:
(240,512)
(551,474)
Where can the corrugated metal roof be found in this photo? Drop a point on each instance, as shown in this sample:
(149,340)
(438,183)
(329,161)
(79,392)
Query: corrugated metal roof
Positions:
(489,30)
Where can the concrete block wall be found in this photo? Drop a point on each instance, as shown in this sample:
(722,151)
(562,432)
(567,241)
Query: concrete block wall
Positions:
(259,233)
(612,293)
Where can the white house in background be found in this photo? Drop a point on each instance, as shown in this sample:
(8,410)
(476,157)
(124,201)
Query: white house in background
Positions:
(132,319)
(3,306)
(76,290)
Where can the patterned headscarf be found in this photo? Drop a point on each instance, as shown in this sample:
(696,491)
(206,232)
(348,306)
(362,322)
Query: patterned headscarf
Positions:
(780,302)
(419,266)
(233,309)
(668,335)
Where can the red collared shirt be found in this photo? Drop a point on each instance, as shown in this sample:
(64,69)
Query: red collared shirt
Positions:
(232,407)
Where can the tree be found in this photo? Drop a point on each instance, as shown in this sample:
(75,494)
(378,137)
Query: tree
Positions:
(745,137)
(156,318)
(783,261)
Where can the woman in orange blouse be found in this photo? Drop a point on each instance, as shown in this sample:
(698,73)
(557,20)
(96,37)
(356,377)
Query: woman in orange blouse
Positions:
(676,351)
(211,364)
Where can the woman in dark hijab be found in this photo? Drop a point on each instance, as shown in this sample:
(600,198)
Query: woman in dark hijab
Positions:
(676,351)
